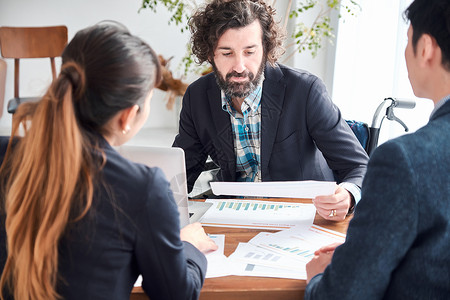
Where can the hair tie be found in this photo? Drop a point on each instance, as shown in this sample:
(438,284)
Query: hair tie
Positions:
(76,76)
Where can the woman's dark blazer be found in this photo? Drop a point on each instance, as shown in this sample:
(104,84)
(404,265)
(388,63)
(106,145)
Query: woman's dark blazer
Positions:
(132,228)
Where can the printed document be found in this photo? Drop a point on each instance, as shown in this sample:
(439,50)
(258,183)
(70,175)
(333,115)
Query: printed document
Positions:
(258,214)
(308,189)
(298,243)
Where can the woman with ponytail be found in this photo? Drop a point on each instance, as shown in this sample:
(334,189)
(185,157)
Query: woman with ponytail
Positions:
(77,220)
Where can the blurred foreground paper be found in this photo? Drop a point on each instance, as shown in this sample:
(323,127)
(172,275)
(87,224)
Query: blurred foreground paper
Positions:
(283,189)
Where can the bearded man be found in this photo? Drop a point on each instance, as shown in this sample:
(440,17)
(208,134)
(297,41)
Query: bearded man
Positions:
(259,120)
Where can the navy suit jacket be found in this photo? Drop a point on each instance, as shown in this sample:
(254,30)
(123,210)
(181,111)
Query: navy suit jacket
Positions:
(398,241)
(299,127)
(132,228)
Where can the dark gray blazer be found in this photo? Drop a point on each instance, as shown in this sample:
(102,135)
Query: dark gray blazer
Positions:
(398,242)
(132,228)
(299,127)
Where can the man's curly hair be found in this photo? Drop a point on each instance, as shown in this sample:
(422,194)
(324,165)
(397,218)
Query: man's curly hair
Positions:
(209,23)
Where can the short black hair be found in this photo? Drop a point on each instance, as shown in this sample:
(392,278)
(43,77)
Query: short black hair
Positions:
(431,17)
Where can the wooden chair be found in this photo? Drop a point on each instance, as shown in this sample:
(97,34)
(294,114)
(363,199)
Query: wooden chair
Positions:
(2,84)
(31,42)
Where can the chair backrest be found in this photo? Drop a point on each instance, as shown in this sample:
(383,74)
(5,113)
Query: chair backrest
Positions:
(362,133)
(2,84)
(32,42)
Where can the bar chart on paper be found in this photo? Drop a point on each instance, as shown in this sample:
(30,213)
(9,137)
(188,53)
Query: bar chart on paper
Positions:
(298,252)
(252,254)
(247,206)
(299,243)
(258,214)
(262,262)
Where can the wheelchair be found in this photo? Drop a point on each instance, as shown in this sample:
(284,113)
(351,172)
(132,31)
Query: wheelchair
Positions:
(368,136)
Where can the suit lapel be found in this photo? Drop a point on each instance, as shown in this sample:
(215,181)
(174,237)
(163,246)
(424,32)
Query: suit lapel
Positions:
(271,108)
(224,133)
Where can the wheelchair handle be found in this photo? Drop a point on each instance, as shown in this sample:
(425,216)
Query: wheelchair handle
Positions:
(385,109)
(402,103)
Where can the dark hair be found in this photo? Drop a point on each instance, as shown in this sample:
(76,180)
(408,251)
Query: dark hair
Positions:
(208,24)
(120,70)
(47,181)
(431,17)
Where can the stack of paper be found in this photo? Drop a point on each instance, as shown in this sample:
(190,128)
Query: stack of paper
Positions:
(283,254)
(220,265)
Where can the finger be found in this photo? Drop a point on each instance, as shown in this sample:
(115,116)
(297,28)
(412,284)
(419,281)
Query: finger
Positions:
(329,248)
(328,199)
(327,214)
(328,207)
(330,204)
(340,195)
(214,246)
(322,250)
(322,212)
(342,205)
(209,246)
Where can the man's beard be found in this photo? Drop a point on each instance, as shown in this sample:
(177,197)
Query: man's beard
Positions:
(239,89)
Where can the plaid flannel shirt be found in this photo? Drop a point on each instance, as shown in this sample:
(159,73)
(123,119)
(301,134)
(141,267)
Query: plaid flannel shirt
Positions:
(247,135)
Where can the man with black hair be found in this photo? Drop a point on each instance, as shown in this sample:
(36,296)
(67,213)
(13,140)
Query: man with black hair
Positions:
(397,244)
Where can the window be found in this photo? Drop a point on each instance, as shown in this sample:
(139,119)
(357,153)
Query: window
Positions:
(370,66)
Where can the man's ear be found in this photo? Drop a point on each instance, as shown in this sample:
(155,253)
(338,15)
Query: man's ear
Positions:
(211,59)
(127,116)
(427,49)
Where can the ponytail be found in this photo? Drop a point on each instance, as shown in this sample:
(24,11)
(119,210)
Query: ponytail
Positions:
(48,171)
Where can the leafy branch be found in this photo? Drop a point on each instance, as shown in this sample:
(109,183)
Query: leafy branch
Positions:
(310,38)
(305,38)
(181,10)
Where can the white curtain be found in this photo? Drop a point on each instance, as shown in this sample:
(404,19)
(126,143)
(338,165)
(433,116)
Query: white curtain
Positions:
(370,66)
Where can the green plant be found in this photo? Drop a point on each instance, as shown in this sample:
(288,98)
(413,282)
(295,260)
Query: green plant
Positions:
(181,10)
(304,38)
(310,38)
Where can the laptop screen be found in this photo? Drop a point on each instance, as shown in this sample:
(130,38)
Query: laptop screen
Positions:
(171,162)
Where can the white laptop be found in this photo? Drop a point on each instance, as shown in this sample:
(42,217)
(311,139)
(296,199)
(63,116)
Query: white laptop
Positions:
(171,161)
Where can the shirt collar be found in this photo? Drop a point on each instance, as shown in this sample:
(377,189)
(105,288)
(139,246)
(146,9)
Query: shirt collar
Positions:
(439,105)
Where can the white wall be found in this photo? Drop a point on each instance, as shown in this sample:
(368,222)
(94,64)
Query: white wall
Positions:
(153,28)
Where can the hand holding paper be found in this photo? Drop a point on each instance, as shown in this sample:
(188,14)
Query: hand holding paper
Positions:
(334,206)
